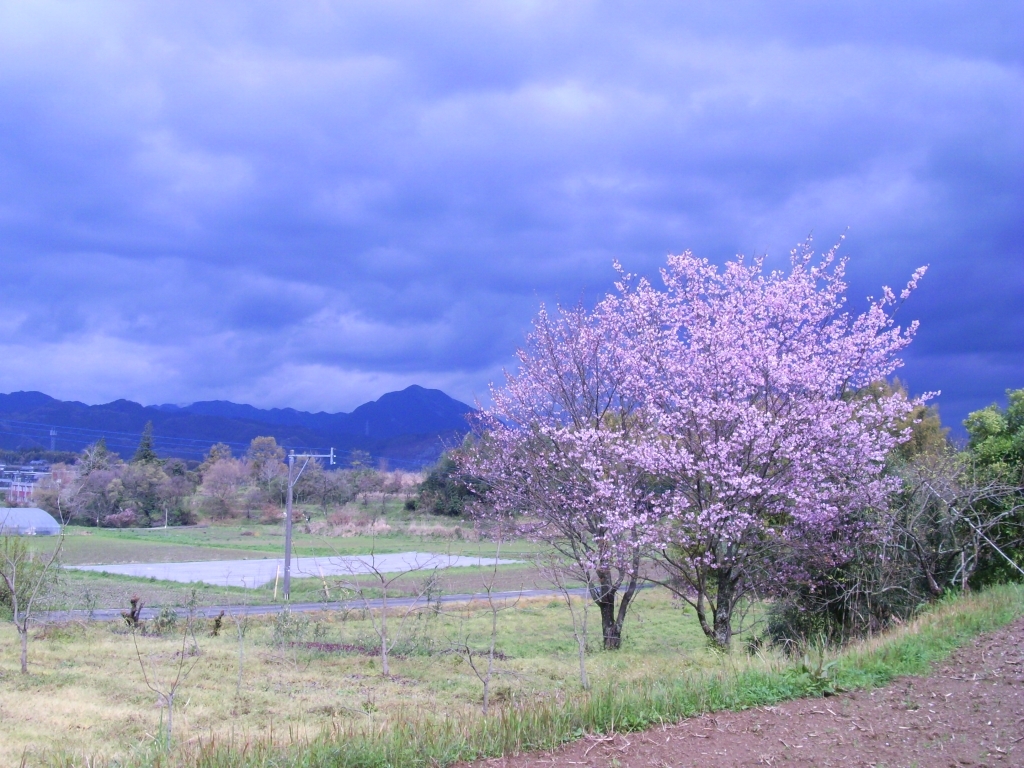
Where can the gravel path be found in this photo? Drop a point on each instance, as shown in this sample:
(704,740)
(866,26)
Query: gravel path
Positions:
(969,712)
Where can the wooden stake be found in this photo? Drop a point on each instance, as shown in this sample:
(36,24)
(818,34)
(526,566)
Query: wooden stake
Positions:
(326,593)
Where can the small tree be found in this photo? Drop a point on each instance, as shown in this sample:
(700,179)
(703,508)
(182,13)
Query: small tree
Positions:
(266,461)
(447,489)
(217,452)
(996,449)
(382,579)
(556,455)
(560,574)
(94,457)
(97,489)
(220,486)
(24,576)
(167,688)
(949,517)
(142,484)
(495,605)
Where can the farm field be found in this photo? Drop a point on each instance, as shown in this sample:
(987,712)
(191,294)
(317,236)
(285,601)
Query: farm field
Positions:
(235,541)
(84,590)
(313,683)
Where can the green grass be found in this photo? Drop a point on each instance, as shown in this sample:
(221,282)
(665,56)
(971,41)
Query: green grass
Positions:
(416,739)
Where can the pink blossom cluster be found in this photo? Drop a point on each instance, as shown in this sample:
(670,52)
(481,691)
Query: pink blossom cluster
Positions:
(750,385)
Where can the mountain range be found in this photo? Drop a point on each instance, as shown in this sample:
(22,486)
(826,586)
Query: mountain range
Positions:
(409,428)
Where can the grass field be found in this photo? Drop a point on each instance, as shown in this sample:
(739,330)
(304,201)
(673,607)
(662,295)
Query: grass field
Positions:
(312,692)
(310,689)
(304,672)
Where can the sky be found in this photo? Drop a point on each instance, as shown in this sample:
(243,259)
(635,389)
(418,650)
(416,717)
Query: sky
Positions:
(308,204)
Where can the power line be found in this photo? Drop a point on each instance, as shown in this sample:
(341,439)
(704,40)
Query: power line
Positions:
(112,434)
(84,436)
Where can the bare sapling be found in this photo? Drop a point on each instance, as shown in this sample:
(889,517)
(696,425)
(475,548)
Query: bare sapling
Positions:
(373,570)
(560,575)
(166,691)
(241,620)
(495,605)
(242,626)
(25,574)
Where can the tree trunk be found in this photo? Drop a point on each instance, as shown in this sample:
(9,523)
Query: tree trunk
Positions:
(722,635)
(384,668)
(581,642)
(23,633)
(610,629)
(604,596)
(490,660)
(933,586)
(170,717)
(241,660)
(702,616)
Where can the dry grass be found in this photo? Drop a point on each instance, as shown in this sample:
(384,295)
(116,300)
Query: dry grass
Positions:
(85,694)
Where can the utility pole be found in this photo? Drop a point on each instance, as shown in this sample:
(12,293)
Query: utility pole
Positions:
(292,456)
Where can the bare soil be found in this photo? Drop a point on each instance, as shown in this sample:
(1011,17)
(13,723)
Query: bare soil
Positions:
(968,712)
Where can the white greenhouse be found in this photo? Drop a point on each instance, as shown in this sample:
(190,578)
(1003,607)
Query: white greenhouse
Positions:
(27,521)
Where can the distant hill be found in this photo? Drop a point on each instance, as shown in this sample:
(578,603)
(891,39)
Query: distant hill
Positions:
(410,428)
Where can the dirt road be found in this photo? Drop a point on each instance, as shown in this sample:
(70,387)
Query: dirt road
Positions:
(969,712)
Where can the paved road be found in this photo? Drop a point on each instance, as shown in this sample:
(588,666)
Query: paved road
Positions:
(211,611)
(257,572)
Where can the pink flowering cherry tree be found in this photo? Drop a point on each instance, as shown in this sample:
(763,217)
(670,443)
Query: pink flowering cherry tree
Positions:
(555,453)
(758,444)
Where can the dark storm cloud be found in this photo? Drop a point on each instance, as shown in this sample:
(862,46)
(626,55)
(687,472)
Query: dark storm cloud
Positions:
(309,204)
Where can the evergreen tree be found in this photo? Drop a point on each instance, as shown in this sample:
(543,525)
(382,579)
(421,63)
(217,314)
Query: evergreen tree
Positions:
(145,454)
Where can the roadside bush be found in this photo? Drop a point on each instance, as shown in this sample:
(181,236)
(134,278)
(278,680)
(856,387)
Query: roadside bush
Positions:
(182,516)
(935,538)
